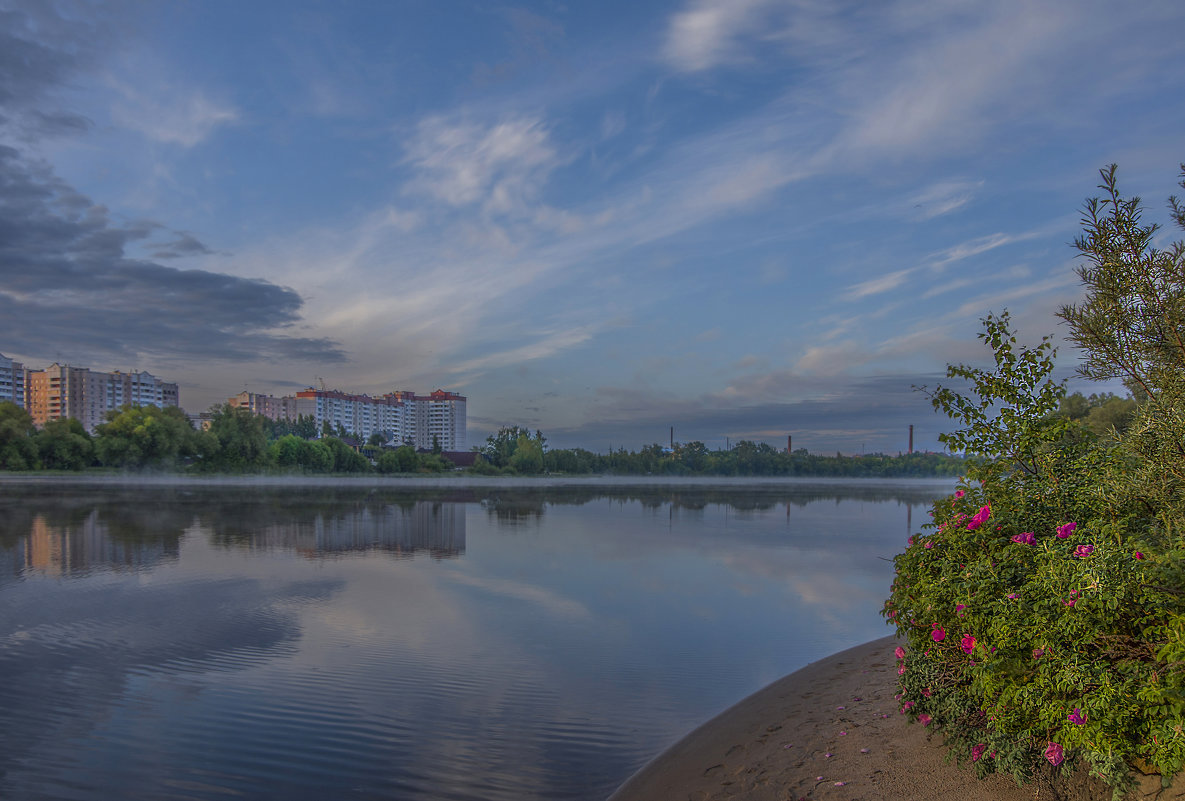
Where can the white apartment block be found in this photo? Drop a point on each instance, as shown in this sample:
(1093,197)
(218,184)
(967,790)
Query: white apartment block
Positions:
(402,417)
(12,381)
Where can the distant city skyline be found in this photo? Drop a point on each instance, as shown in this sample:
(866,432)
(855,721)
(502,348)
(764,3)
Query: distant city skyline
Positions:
(746,219)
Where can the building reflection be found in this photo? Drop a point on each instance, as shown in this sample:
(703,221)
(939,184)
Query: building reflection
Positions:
(80,547)
(435,528)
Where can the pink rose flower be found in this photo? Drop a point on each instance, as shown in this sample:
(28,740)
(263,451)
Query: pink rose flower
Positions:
(908,705)
(924,719)
(959,609)
(1055,754)
(977,751)
(1027,538)
(938,635)
(1139,555)
(1082,551)
(1066,530)
(959,493)
(929,544)
(900,652)
(1076,717)
(968,644)
(980,518)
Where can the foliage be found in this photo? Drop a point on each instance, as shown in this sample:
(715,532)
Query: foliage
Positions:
(293,453)
(236,441)
(17,451)
(140,437)
(400,460)
(64,445)
(345,458)
(1042,610)
(1103,414)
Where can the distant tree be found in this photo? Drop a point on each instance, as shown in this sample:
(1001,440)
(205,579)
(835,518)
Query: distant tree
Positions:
(17,450)
(241,441)
(64,445)
(291,452)
(345,458)
(432,463)
(145,437)
(501,446)
(377,438)
(528,455)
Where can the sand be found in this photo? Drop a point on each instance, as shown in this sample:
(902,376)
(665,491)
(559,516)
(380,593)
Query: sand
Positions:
(833,730)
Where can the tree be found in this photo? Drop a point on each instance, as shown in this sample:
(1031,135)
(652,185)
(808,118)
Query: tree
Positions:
(1131,326)
(528,455)
(241,440)
(145,436)
(500,447)
(64,445)
(17,450)
(291,452)
(345,458)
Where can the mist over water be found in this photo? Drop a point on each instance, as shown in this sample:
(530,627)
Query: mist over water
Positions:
(364,640)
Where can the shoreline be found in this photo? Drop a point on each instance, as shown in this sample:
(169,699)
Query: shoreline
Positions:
(830,730)
(459,481)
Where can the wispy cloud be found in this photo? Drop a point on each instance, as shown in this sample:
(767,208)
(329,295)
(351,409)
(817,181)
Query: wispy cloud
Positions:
(710,32)
(500,167)
(877,286)
(179,117)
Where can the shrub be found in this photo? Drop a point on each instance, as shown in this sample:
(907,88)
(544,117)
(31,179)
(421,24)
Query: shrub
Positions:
(1043,609)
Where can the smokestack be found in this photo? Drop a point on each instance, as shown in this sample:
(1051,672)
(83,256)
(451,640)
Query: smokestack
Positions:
(672,438)
(789,446)
(911,439)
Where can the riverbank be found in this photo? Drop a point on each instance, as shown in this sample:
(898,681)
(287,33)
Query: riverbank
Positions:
(831,730)
(460,480)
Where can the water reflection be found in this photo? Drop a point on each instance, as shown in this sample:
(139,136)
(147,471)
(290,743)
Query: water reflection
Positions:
(293,644)
(434,528)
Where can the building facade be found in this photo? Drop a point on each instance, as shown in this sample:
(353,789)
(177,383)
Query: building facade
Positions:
(401,417)
(60,391)
(12,381)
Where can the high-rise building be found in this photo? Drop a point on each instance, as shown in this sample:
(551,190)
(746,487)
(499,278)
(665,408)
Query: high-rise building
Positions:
(61,391)
(12,381)
(446,420)
(402,417)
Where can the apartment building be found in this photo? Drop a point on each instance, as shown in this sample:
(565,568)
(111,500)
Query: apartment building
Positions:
(12,381)
(401,416)
(446,419)
(61,391)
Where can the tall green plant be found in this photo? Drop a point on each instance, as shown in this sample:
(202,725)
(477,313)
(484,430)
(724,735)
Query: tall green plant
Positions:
(1042,609)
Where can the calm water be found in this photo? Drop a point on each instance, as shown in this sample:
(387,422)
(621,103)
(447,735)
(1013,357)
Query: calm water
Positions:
(324,643)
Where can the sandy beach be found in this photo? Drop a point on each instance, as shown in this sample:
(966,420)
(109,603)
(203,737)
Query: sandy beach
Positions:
(833,730)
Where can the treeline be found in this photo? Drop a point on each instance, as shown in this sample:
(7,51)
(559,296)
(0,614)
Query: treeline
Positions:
(516,451)
(237,441)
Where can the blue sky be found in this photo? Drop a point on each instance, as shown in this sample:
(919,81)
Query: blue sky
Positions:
(742,219)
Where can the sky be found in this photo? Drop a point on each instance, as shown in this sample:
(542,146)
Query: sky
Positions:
(748,219)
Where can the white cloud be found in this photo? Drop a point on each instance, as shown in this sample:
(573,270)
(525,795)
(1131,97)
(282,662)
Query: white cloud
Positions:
(500,166)
(709,32)
(877,286)
(965,250)
(164,116)
(942,198)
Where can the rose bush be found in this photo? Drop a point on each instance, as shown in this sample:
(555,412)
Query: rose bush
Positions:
(1043,607)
